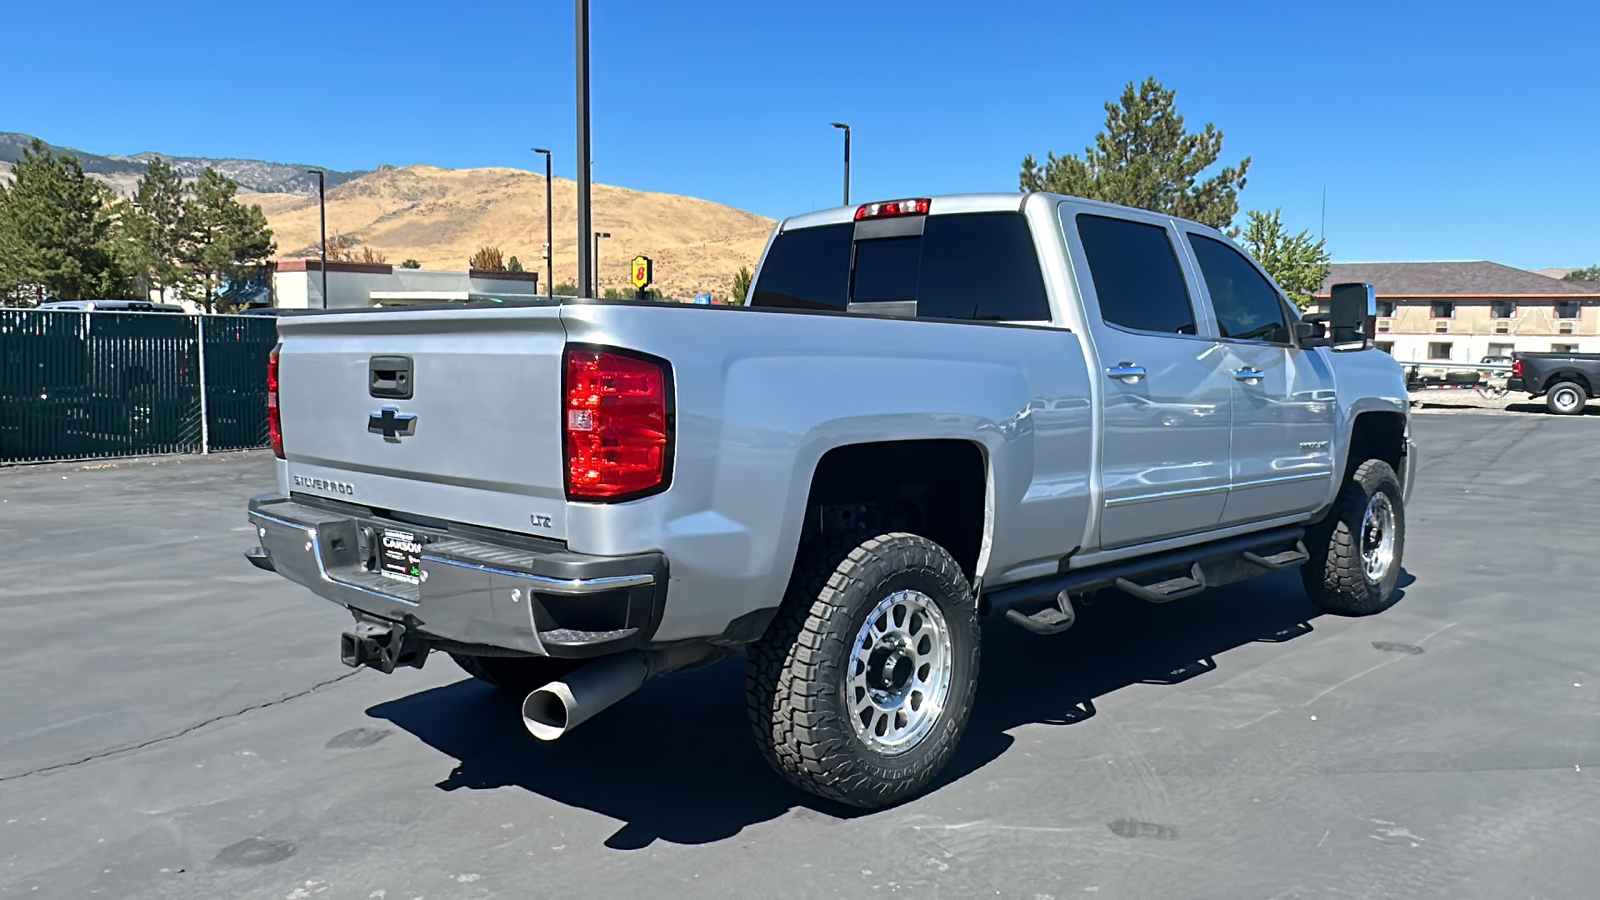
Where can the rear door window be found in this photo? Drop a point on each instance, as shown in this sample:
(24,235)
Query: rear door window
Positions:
(1136,275)
(979,266)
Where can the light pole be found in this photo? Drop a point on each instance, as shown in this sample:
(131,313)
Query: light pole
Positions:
(595,294)
(549,227)
(584,262)
(322,208)
(846,160)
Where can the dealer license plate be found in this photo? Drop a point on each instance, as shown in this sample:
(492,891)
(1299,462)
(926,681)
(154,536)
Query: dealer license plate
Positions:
(401,555)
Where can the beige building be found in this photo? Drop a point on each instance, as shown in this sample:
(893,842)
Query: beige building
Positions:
(1461,312)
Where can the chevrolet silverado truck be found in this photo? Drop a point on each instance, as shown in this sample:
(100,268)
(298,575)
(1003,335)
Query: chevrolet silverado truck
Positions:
(1565,380)
(929,414)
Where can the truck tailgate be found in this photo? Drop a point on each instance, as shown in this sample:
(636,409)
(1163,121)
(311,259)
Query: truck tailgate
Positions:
(479,439)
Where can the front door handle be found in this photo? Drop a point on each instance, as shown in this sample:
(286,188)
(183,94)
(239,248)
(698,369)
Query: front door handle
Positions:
(1248,375)
(1126,372)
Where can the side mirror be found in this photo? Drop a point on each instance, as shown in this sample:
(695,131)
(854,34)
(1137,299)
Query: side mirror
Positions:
(1352,312)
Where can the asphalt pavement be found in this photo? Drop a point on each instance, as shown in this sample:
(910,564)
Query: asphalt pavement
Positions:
(176,724)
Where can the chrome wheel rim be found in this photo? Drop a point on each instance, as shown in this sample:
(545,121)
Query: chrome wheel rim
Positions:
(1377,537)
(1566,398)
(899,673)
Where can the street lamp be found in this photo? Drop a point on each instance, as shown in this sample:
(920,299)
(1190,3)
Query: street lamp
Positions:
(595,294)
(322,208)
(846,160)
(549,227)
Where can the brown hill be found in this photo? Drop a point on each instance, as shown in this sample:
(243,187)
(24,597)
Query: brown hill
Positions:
(441,216)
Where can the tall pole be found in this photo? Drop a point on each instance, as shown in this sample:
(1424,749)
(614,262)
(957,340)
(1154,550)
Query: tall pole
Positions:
(586,279)
(549,227)
(846,160)
(322,209)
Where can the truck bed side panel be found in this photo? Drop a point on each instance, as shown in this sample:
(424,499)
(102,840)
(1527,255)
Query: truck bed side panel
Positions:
(762,396)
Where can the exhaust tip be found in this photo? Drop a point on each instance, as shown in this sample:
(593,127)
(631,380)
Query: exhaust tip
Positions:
(545,714)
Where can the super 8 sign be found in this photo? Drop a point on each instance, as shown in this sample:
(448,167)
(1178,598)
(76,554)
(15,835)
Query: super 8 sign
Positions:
(643,272)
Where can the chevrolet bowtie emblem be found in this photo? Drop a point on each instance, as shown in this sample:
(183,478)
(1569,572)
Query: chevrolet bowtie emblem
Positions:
(392,424)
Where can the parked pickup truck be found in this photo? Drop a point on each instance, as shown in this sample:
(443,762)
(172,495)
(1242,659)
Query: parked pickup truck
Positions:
(1565,380)
(929,411)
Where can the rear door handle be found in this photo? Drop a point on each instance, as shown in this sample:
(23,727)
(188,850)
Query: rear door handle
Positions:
(1248,375)
(1126,372)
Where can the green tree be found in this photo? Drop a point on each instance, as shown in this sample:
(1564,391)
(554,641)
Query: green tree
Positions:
(741,286)
(223,238)
(411,264)
(1297,262)
(153,229)
(1592,273)
(513,265)
(566,289)
(1146,158)
(57,231)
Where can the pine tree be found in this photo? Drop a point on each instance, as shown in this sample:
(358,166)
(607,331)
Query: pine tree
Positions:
(1145,158)
(57,231)
(513,265)
(223,237)
(741,286)
(1297,263)
(153,228)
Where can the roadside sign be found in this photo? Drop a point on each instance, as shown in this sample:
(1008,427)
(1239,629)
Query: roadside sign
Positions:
(702,299)
(644,272)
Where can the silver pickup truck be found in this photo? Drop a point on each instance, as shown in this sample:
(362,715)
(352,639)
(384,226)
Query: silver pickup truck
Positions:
(928,411)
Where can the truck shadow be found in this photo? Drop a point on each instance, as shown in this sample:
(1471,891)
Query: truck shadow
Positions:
(676,761)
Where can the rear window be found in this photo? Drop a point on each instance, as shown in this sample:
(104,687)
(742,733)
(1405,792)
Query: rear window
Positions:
(979,266)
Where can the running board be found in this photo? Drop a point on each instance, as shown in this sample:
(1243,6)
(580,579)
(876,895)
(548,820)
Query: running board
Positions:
(1157,578)
(1050,620)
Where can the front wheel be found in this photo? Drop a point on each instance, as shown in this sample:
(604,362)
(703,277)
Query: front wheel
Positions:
(862,686)
(1566,399)
(1355,552)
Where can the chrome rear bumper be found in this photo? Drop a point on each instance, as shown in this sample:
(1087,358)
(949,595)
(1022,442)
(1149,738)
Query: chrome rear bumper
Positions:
(529,597)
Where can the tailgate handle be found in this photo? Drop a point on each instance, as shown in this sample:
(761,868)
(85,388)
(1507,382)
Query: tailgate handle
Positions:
(389,377)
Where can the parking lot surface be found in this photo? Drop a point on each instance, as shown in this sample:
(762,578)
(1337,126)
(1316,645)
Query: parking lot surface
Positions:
(176,724)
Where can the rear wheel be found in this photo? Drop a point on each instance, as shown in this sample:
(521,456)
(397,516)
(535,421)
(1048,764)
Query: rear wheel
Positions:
(518,674)
(1566,399)
(1355,552)
(862,686)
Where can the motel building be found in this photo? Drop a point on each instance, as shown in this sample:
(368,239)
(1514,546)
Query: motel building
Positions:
(1461,312)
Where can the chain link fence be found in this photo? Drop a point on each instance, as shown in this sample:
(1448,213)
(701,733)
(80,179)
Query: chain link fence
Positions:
(81,385)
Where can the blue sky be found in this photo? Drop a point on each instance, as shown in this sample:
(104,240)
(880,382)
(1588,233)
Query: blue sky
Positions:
(1463,132)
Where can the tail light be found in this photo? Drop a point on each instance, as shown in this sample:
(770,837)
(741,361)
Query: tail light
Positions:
(892,208)
(618,424)
(1516,368)
(274,419)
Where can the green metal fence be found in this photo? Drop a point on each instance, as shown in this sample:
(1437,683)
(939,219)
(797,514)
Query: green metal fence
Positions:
(80,385)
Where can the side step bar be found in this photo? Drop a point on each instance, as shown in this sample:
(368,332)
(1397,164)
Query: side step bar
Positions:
(1154,578)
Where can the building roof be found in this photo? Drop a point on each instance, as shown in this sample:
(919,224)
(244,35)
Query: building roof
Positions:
(1454,279)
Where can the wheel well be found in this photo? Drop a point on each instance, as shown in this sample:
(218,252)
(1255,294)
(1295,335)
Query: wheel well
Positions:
(1376,435)
(1568,375)
(934,488)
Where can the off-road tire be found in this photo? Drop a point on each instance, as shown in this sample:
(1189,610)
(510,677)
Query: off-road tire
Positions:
(795,674)
(517,674)
(1335,576)
(1566,399)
